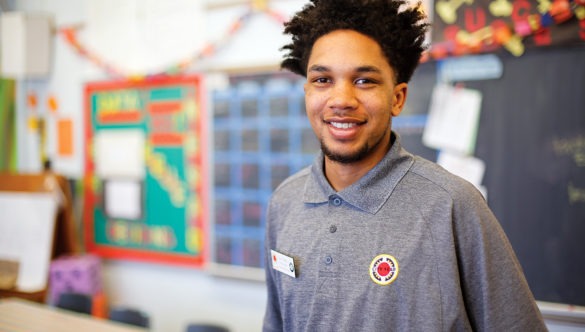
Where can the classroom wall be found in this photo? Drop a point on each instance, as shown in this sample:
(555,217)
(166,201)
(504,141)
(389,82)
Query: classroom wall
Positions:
(176,296)
(142,37)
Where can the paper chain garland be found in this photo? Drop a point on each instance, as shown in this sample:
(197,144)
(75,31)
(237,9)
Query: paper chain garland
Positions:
(209,49)
(483,40)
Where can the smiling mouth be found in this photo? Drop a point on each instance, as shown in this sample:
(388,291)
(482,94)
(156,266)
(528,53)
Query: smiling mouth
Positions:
(343,125)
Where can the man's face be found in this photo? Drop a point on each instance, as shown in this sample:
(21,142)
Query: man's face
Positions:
(351,97)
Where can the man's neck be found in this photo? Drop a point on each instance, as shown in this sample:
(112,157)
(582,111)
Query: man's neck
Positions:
(341,175)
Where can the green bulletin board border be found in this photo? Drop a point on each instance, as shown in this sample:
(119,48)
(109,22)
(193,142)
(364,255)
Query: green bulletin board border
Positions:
(173,223)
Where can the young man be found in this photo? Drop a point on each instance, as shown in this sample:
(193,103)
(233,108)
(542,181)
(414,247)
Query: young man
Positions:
(371,237)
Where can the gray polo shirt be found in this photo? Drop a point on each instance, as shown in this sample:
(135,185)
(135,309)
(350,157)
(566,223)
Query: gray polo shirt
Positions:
(409,247)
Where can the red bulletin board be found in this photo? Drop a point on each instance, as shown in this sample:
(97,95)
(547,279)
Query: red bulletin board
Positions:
(146,177)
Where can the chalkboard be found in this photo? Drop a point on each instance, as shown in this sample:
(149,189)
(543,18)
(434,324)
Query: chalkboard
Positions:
(532,139)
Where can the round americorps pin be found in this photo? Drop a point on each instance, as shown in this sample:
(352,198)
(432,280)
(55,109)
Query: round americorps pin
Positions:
(384,269)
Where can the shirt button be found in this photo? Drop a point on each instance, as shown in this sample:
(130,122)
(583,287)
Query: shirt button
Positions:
(332,229)
(335,200)
(328,260)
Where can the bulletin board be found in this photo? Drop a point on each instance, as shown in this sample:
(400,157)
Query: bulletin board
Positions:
(261,136)
(478,24)
(146,189)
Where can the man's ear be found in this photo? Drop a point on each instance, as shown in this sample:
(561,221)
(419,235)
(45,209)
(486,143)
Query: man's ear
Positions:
(399,98)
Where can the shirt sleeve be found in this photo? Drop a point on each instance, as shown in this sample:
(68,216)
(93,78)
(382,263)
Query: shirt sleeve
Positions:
(496,293)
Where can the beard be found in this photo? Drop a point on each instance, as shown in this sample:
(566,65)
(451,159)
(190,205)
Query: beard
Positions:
(351,157)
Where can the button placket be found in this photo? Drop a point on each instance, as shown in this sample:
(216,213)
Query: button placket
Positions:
(335,200)
(330,243)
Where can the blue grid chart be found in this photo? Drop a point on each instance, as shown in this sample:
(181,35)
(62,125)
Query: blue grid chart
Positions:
(261,136)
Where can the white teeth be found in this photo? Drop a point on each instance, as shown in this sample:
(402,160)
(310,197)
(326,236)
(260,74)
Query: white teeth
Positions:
(343,125)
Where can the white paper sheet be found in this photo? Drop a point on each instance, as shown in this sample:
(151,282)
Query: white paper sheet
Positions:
(123,199)
(119,153)
(27,225)
(453,119)
(470,168)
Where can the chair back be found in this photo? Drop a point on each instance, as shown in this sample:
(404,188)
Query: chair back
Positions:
(129,316)
(200,327)
(77,302)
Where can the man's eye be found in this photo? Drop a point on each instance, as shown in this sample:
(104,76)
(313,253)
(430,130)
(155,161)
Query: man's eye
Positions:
(363,81)
(321,80)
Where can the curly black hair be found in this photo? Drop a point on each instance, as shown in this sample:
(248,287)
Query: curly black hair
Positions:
(397,27)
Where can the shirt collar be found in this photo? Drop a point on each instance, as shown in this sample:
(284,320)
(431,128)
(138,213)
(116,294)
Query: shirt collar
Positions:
(371,191)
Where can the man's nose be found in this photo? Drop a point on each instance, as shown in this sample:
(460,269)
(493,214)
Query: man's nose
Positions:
(343,96)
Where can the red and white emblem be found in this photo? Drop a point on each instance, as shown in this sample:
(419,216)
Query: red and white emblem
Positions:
(384,269)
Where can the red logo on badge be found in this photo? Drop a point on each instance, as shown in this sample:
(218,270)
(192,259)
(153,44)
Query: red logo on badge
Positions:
(384,269)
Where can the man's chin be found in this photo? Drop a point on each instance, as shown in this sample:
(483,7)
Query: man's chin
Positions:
(345,158)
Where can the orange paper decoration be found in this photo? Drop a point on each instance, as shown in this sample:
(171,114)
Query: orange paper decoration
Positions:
(31,100)
(65,137)
(52,104)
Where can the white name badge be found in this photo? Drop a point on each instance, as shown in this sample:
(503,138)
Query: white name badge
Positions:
(283,263)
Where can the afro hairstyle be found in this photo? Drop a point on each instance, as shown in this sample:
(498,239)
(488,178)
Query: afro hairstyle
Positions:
(398,28)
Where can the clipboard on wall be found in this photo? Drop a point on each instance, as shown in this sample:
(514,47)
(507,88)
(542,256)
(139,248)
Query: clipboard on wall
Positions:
(36,226)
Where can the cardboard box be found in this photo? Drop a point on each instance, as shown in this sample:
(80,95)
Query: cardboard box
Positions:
(25,45)
(8,273)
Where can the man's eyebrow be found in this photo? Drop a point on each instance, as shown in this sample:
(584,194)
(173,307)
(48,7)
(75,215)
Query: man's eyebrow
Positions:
(368,69)
(360,69)
(318,68)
